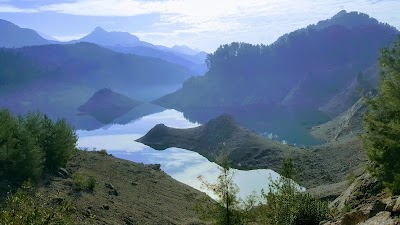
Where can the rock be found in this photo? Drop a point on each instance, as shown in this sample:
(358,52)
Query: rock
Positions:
(113,191)
(110,186)
(354,217)
(129,221)
(396,207)
(363,186)
(155,167)
(87,212)
(389,202)
(62,172)
(382,218)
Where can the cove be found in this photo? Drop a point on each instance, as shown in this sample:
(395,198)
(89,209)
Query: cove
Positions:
(181,164)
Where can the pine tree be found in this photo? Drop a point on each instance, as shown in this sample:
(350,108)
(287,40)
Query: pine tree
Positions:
(227,210)
(382,122)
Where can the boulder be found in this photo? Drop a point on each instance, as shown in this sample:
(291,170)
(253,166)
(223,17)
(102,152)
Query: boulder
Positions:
(396,207)
(382,218)
(62,172)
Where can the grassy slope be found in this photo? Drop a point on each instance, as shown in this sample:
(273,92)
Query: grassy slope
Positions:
(145,195)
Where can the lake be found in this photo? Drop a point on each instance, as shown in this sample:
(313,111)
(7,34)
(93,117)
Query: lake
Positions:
(182,165)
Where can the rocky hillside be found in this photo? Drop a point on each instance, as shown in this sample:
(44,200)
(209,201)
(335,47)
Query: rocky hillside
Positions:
(106,105)
(324,164)
(124,193)
(348,124)
(365,202)
(246,148)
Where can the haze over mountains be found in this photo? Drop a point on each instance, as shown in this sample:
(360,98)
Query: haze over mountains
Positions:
(303,69)
(15,37)
(306,75)
(127,43)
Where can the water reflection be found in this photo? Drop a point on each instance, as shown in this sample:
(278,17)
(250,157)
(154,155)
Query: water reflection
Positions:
(183,165)
(282,124)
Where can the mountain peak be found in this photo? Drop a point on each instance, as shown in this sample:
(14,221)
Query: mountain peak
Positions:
(99,29)
(348,20)
(114,38)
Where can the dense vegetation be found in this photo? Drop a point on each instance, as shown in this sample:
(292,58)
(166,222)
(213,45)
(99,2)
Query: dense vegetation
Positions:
(382,122)
(313,63)
(32,144)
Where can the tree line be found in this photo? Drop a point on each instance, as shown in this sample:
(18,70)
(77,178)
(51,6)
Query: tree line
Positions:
(32,144)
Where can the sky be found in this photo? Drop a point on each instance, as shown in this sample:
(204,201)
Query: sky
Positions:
(201,24)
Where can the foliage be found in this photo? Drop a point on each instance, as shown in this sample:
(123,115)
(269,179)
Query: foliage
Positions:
(21,208)
(103,152)
(83,182)
(227,209)
(382,122)
(30,144)
(286,205)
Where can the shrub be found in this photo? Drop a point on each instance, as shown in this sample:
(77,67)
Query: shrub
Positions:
(382,126)
(82,182)
(33,143)
(286,205)
(103,152)
(21,208)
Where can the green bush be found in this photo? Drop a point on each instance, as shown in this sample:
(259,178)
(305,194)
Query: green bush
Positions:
(83,182)
(287,205)
(30,144)
(103,152)
(21,208)
(382,122)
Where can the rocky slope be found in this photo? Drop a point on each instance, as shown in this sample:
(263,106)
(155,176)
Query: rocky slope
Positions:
(324,164)
(125,193)
(106,105)
(365,202)
(348,124)
(246,148)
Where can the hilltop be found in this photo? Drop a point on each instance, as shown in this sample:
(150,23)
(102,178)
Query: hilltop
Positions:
(305,69)
(106,105)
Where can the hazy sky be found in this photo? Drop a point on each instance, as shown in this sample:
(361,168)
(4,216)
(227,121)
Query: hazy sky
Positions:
(203,24)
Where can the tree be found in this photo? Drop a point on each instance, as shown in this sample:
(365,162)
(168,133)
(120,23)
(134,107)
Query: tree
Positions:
(382,122)
(286,205)
(32,143)
(227,210)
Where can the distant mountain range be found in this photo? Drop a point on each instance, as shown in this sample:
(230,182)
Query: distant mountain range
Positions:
(57,79)
(304,69)
(13,36)
(124,42)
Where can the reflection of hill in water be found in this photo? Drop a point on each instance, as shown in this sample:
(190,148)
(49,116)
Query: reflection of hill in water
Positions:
(87,122)
(291,126)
